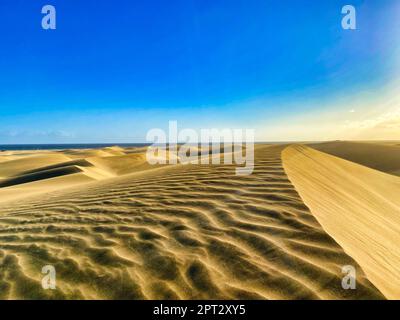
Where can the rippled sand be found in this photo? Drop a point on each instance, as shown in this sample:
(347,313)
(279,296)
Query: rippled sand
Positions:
(115,227)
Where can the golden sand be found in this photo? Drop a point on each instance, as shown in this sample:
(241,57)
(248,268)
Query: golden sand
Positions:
(358,206)
(115,227)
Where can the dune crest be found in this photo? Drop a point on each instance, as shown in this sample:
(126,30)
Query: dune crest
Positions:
(358,206)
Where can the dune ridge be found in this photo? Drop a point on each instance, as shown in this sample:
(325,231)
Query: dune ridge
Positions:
(358,206)
(172,232)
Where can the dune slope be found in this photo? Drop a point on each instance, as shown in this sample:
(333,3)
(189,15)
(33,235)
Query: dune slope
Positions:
(30,162)
(175,232)
(379,156)
(358,206)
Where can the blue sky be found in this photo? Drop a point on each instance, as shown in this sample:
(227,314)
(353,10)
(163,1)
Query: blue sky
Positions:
(112,70)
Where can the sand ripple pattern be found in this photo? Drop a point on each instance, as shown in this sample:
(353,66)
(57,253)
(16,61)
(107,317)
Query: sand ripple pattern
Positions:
(179,232)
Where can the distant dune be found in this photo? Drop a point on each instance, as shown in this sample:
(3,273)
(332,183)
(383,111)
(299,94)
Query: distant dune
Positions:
(116,227)
(380,156)
(40,172)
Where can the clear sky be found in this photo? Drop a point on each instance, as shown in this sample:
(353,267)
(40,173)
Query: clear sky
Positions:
(112,70)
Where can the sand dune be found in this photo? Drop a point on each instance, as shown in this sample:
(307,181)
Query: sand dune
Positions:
(30,173)
(380,156)
(43,187)
(40,175)
(359,207)
(121,164)
(173,232)
(25,163)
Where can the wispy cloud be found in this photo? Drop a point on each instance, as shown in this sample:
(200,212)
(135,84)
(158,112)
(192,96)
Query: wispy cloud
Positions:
(361,117)
(34,136)
(387,120)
